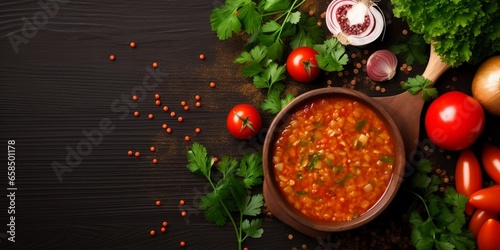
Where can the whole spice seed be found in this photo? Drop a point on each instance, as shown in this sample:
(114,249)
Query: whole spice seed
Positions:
(197,97)
(183,213)
(169,130)
(182,202)
(290,236)
(180,119)
(186,107)
(198,104)
(164,126)
(197,130)
(187,138)
(183,103)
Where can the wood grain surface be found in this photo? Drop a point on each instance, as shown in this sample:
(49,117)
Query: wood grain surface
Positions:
(57,86)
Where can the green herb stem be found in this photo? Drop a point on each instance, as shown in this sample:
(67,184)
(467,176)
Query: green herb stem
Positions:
(423,201)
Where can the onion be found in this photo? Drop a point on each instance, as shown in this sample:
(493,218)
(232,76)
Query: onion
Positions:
(381,65)
(354,22)
(486,85)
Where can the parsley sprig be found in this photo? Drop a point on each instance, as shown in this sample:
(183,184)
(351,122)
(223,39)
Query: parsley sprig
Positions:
(229,199)
(420,83)
(413,49)
(441,223)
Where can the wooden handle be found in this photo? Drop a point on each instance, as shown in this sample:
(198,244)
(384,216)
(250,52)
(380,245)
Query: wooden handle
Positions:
(435,67)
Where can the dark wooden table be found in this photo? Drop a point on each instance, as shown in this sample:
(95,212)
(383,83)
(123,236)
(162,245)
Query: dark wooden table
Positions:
(69,110)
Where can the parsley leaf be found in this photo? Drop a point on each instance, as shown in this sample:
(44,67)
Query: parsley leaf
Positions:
(270,76)
(331,55)
(251,170)
(253,228)
(274,103)
(224,20)
(415,85)
(414,50)
(229,199)
(308,33)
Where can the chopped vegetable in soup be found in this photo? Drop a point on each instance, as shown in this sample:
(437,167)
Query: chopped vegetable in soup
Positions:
(334,159)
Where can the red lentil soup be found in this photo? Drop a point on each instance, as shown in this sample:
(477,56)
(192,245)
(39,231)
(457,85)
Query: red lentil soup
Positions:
(334,159)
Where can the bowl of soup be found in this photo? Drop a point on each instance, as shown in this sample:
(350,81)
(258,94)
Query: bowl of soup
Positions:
(333,160)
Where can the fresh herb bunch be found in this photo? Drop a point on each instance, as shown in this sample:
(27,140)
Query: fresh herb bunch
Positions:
(441,223)
(229,199)
(270,25)
(460,30)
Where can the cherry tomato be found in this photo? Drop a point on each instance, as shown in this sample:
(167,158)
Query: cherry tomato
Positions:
(243,121)
(478,219)
(468,176)
(301,64)
(488,235)
(454,120)
(487,199)
(491,161)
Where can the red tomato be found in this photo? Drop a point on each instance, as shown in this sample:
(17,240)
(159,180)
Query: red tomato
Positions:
(468,176)
(454,120)
(478,219)
(487,199)
(302,65)
(491,161)
(243,121)
(488,236)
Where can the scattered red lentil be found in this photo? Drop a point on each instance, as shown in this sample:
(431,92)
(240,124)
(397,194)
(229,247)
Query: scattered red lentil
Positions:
(169,130)
(155,65)
(152,232)
(157,102)
(186,107)
(212,84)
(246,248)
(172,114)
(165,108)
(197,130)
(183,213)
(187,138)
(134,98)
(182,243)
(198,104)
(137,154)
(152,148)
(202,56)
(164,224)
(155,161)
(112,57)
(130,153)
(197,97)
(132,44)
(136,113)
(163,229)
(180,119)
(182,202)
(216,159)
(183,103)
(150,116)
(157,96)
(158,203)
(164,126)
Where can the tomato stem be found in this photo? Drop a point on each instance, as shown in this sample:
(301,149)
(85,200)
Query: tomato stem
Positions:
(245,122)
